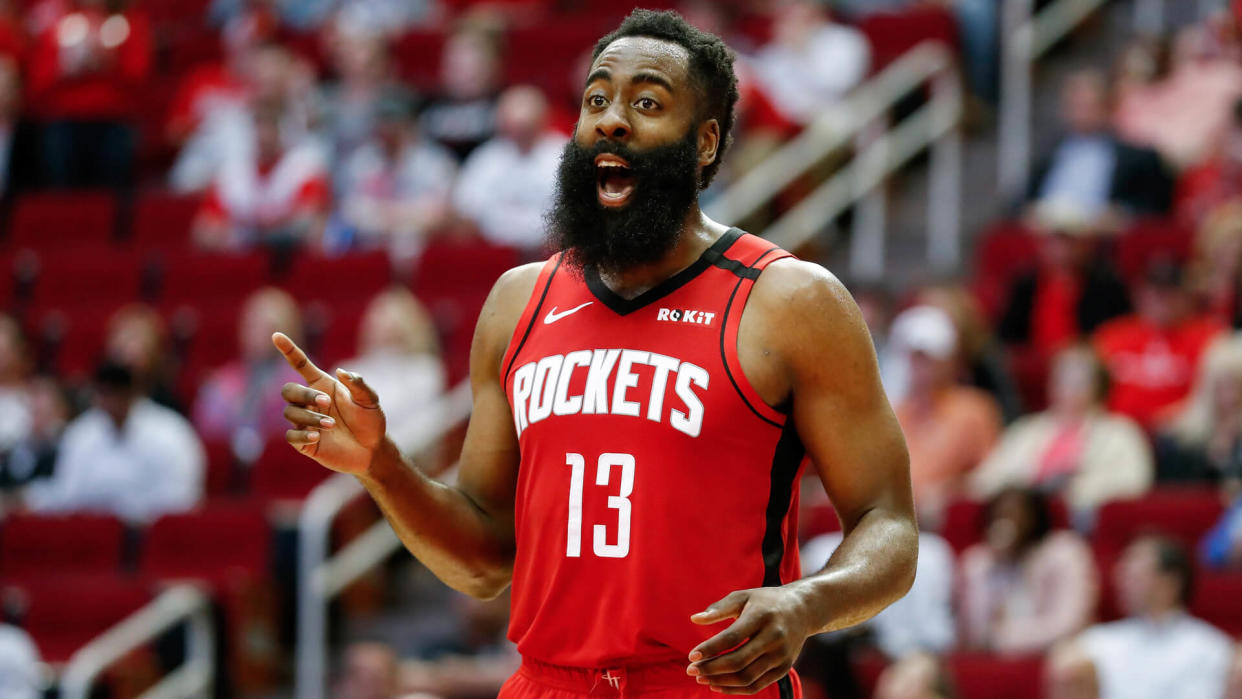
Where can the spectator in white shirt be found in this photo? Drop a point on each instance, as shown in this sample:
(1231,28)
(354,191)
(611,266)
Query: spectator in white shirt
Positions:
(19,665)
(127,456)
(811,63)
(1026,586)
(1159,650)
(507,183)
(396,187)
(920,622)
(398,346)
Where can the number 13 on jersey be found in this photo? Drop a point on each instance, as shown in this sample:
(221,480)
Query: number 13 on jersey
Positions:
(619,502)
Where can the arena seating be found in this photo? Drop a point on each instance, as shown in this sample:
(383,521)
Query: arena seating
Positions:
(33,546)
(162,221)
(65,612)
(60,221)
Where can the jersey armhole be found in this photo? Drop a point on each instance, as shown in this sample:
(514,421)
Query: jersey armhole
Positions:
(526,322)
(729,336)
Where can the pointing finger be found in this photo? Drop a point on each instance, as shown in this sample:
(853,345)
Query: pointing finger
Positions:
(297,358)
(359,391)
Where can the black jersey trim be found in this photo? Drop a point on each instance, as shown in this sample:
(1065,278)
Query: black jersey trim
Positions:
(785,461)
(533,317)
(724,331)
(739,269)
(623,306)
(785,686)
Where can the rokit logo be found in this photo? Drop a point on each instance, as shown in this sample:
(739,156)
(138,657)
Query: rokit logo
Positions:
(677,315)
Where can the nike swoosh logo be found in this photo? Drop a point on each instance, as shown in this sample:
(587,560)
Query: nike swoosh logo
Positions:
(553,316)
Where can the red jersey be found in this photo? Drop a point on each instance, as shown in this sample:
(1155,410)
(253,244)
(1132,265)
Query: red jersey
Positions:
(654,480)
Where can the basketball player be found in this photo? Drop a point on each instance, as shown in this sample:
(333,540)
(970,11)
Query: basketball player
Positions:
(642,404)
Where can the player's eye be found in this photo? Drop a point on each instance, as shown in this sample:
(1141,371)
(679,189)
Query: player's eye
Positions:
(646,103)
(597,101)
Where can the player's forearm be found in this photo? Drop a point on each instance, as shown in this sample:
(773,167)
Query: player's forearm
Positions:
(446,530)
(872,568)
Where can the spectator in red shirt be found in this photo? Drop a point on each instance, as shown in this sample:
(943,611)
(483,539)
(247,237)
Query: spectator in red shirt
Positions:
(267,192)
(1153,355)
(1071,291)
(83,72)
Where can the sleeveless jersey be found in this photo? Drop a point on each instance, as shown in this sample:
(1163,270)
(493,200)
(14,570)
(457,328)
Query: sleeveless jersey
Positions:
(653,479)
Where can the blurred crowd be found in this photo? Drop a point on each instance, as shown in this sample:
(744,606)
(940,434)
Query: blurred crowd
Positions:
(1093,357)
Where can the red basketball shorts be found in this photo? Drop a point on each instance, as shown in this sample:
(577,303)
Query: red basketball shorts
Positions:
(535,680)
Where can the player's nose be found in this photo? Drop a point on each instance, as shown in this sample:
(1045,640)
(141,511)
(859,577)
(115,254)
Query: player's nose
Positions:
(613,124)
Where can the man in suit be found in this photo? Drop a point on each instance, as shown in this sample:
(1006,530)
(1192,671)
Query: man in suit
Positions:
(1090,168)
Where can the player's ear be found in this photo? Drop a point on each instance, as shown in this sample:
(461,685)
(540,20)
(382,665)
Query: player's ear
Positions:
(708,141)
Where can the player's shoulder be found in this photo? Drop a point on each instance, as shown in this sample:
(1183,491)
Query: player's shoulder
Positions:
(511,292)
(801,292)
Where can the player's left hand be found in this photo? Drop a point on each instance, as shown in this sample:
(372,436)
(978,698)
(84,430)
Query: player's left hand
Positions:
(758,648)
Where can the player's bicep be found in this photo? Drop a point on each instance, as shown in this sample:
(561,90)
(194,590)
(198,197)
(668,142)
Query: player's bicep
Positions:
(842,414)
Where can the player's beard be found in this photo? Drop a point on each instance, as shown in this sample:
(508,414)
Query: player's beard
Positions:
(593,236)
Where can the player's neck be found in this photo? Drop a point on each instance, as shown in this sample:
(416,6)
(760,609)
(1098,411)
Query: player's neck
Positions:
(698,232)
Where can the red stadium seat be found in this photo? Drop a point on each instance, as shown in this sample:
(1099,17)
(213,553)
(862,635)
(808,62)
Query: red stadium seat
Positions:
(332,331)
(33,545)
(221,542)
(453,279)
(1151,239)
(1003,251)
(162,221)
(1186,514)
(281,473)
(66,612)
(983,676)
(417,55)
(550,52)
(221,466)
(338,280)
(1218,600)
(61,220)
(77,279)
(817,520)
(228,546)
(200,281)
(891,34)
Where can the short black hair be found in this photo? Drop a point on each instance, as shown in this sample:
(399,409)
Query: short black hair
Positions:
(1173,559)
(111,375)
(1036,504)
(711,68)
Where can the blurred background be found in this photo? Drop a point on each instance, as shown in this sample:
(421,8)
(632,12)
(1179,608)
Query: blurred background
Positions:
(1037,204)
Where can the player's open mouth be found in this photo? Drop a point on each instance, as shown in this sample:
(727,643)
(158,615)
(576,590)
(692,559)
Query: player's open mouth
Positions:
(613,179)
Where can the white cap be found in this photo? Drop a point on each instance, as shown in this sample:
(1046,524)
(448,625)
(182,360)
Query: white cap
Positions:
(925,329)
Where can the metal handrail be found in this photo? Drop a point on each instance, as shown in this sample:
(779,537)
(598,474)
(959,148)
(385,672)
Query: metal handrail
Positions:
(1025,38)
(861,118)
(322,576)
(178,604)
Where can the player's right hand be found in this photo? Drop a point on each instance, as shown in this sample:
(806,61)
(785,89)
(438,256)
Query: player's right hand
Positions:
(337,420)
